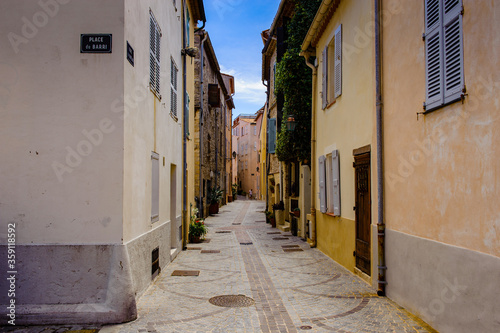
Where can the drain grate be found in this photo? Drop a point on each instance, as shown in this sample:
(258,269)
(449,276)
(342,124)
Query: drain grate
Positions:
(260,221)
(280,238)
(274,233)
(185,273)
(292,250)
(210,251)
(223,232)
(236,223)
(289,246)
(193,248)
(246,243)
(232,301)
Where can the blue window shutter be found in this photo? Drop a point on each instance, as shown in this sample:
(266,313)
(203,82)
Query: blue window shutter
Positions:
(336,182)
(324,82)
(338,61)
(322,183)
(433,54)
(453,51)
(271,139)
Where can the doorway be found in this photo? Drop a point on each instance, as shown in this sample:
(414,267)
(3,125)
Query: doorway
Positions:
(363,212)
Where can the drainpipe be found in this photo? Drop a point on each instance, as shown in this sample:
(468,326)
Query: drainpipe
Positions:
(380,180)
(267,149)
(312,217)
(200,201)
(186,130)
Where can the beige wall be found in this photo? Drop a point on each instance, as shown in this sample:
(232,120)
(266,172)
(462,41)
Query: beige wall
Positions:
(346,125)
(56,182)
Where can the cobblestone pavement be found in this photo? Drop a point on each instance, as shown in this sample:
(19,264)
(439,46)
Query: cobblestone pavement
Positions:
(298,290)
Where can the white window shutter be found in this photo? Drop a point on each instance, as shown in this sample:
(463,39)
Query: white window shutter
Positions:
(336,182)
(324,83)
(453,51)
(155,187)
(338,61)
(322,183)
(433,54)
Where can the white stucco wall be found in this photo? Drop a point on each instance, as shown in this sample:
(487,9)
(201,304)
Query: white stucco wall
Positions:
(57,184)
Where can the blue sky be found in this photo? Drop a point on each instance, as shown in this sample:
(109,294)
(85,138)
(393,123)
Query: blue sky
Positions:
(234,27)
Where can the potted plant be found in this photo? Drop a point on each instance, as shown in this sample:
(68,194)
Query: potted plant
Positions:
(270,218)
(214,197)
(197,228)
(234,190)
(296,212)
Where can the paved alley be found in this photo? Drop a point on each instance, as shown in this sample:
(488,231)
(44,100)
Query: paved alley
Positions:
(279,285)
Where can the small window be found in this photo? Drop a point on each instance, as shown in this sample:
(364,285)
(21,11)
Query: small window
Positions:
(255,146)
(154,55)
(173,88)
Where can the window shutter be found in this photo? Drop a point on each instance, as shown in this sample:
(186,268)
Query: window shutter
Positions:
(322,185)
(324,85)
(154,55)
(338,61)
(155,187)
(336,182)
(433,54)
(453,51)
(271,130)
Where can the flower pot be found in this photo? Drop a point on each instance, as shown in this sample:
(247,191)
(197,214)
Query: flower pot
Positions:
(195,239)
(273,222)
(229,198)
(296,213)
(213,209)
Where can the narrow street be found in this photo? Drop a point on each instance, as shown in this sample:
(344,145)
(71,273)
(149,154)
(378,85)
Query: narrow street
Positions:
(295,288)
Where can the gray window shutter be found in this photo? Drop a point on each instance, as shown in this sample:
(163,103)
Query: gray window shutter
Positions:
(155,187)
(338,61)
(322,183)
(453,51)
(186,114)
(433,54)
(271,138)
(336,182)
(324,84)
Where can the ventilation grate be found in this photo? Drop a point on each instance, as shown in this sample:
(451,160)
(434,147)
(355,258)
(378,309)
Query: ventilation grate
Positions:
(155,262)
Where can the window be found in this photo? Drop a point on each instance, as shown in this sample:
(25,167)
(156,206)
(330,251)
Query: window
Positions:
(255,130)
(329,183)
(155,187)
(444,65)
(255,146)
(332,69)
(188,28)
(173,88)
(154,55)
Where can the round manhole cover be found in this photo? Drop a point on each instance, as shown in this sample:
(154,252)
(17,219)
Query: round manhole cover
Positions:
(232,301)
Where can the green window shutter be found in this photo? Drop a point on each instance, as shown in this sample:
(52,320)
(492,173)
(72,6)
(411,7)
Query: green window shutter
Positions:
(324,83)
(338,61)
(271,135)
(322,183)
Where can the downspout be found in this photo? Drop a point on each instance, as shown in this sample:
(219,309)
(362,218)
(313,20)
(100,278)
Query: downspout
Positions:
(312,217)
(267,154)
(380,180)
(186,130)
(200,200)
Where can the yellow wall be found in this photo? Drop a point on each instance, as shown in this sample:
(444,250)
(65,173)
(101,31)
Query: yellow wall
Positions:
(346,125)
(442,171)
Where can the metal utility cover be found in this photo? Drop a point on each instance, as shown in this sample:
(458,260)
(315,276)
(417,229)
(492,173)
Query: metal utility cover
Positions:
(185,273)
(232,301)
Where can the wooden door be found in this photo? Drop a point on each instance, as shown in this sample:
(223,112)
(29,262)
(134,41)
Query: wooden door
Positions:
(363,212)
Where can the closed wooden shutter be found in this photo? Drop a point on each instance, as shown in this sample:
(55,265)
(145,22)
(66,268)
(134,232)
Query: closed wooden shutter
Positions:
(336,182)
(322,183)
(324,84)
(453,51)
(271,135)
(338,61)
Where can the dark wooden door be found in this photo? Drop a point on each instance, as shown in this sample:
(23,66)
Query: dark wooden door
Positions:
(363,212)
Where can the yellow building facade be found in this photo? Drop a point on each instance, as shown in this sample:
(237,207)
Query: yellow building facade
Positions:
(344,149)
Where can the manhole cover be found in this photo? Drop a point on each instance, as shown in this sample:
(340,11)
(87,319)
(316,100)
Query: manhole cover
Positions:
(232,301)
